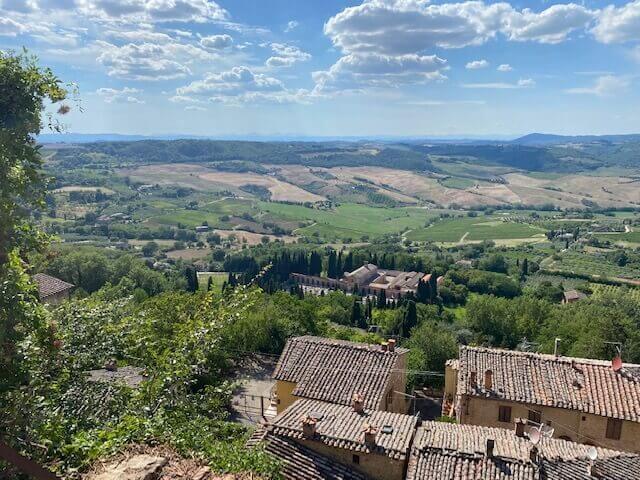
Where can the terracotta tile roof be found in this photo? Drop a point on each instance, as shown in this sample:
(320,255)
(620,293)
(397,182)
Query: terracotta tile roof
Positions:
(298,462)
(589,386)
(457,452)
(340,426)
(333,370)
(48,285)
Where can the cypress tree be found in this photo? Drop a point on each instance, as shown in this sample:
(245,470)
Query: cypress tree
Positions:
(356,314)
(382,299)
(410,319)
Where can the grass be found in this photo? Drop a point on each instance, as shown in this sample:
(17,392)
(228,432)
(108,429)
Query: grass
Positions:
(218,278)
(458,182)
(631,237)
(592,264)
(478,229)
(600,290)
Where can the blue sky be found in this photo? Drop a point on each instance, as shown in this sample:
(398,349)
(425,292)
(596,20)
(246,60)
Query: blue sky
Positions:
(334,68)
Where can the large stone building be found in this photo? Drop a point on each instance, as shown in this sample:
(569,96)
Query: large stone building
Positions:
(587,401)
(52,290)
(368,279)
(334,370)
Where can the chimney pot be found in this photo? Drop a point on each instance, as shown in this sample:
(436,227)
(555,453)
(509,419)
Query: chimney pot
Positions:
(592,471)
(357,402)
(384,346)
(370,433)
(533,454)
(488,379)
(489,447)
(520,423)
(309,426)
(391,344)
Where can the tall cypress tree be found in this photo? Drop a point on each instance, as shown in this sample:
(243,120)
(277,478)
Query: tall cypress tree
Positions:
(331,265)
(382,299)
(410,319)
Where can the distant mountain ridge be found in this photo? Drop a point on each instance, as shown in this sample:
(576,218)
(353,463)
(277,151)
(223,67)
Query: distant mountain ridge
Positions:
(544,139)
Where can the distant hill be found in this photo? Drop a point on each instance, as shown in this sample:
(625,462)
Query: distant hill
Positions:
(544,139)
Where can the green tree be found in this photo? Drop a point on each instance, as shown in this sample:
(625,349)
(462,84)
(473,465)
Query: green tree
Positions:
(25,88)
(410,319)
(149,249)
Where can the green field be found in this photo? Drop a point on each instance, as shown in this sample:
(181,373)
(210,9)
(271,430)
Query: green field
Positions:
(218,279)
(475,229)
(631,237)
(458,182)
(592,264)
(600,290)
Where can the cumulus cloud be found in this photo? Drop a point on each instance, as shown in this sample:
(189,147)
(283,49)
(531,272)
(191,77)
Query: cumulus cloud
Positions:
(291,25)
(153,11)
(604,86)
(148,61)
(194,108)
(126,95)
(236,86)
(522,83)
(505,67)
(618,24)
(477,64)
(286,55)
(11,28)
(552,25)
(217,42)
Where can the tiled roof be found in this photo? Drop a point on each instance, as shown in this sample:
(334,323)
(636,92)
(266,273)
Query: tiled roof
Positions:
(298,462)
(589,386)
(341,427)
(333,370)
(48,285)
(457,452)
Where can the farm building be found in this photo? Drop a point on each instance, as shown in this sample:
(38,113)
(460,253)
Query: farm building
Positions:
(52,290)
(571,296)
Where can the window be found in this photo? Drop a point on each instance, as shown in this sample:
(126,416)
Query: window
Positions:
(614,428)
(356,459)
(504,414)
(389,397)
(535,416)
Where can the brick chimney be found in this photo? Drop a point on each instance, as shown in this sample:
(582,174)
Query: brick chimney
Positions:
(392,344)
(488,379)
(519,427)
(309,426)
(357,402)
(489,447)
(370,433)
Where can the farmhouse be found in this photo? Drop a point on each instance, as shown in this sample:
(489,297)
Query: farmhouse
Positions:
(368,279)
(571,296)
(52,290)
(587,401)
(334,370)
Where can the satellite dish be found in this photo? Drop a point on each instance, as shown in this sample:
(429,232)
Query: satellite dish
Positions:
(534,436)
(592,453)
(616,363)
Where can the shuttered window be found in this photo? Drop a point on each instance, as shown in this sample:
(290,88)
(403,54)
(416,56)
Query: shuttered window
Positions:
(504,414)
(614,428)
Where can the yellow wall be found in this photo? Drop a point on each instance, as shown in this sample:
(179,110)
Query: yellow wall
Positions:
(284,390)
(376,466)
(574,425)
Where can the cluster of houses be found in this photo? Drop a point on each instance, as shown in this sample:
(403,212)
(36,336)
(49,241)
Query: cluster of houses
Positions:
(370,280)
(342,414)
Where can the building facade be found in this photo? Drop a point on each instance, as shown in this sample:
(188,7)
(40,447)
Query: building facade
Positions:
(52,290)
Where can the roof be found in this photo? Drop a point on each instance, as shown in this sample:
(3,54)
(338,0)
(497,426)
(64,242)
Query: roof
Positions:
(363,273)
(333,370)
(298,462)
(573,295)
(457,452)
(342,427)
(586,385)
(48,285)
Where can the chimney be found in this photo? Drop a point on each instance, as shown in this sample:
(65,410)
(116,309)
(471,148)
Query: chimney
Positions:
(488,379)
(592,471)
(489,447)
(533,455)
(384,345)
(473,379)
(520,424)
(309,426)
(357,402)
(370,433)
(392,344)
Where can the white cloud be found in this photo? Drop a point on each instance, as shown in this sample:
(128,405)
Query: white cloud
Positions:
(11,28)
(522,83)
(292,25)
(194,108)
(126,95)
(477,64)
(237,86)
(505,67)
(552,25)
(618,24)
(286,55)
(153,11)
(147,61)
(605,86)
(139,36)
(217,42)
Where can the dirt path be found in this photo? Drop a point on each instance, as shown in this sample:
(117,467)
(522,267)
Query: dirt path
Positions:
(463,238)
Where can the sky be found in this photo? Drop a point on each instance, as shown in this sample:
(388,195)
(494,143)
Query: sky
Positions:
(336,68)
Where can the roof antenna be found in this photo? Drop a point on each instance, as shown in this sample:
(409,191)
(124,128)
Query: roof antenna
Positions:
(592,455)
(555,346)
